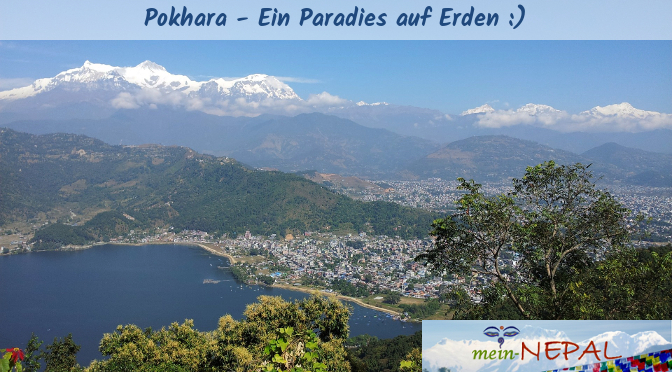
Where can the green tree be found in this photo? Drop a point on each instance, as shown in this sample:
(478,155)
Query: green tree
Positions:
(319,327)
(61,355)
(555,224)
(412,362)
(630,284)
(392,298)
(33,355)
(383,355)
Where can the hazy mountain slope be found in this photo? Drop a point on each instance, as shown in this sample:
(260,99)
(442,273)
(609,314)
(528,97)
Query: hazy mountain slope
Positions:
(327,144)
(492,158)
(304,142)
(638,166)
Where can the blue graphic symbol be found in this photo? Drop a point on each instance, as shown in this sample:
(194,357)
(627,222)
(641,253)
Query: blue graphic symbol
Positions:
(506,332)
(522,16)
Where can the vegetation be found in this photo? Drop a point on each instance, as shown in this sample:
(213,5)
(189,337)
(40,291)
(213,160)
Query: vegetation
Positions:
(348,289)
(275,335)
(102,227)
(631,284)
(412,362)
(569,243)
(33,355)
(421,311)
(240,273)
(392,298)
(383,355)
(61,355)
(11,360)
(357,244)
(174,186)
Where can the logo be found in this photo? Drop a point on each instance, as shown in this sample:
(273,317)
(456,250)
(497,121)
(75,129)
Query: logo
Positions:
(505,332)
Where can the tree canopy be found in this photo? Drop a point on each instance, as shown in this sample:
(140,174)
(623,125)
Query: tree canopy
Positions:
(275,335)
(529,253)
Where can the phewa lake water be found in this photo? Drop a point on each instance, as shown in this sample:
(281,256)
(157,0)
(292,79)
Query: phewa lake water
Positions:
(90,292)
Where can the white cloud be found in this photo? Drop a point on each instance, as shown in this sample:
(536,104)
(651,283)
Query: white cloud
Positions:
(125,101)
(11,83)
(325,99)
(300,80)
(613,118)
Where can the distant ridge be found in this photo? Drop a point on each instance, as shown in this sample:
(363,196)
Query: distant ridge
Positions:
(487,158)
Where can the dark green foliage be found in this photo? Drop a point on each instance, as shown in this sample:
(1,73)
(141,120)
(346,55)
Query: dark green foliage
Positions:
(559,227)
(357,244)
(175,186)
(348,289)
(103,226)
(257,252)
(32,355)
(383,355)
(111,224)
(57,235)
(61,355)
(311,281)
(361,340)
(392,298)
(240,273)
(421,311)
(266,279)
(631,284)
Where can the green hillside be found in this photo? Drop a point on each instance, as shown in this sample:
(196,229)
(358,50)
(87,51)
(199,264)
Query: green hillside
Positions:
(175,186)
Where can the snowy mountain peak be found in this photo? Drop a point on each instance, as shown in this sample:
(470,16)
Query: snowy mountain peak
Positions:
(95,78)
(362,103)
(149,65)
(87,66)
(478,110)
(620,109)
(257,77)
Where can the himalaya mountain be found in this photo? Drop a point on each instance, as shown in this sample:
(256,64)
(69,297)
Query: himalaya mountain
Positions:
(98,91)
(146,84)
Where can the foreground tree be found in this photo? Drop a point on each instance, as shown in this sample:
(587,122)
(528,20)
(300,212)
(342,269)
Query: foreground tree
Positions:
(554,225)
(61,355)
(630,284)
(275,335)
(33,355)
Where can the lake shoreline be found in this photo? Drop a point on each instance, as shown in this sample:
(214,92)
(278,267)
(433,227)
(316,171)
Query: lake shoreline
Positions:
(232,260)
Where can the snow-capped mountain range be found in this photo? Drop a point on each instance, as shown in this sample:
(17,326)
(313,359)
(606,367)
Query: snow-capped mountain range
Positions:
(151,76)
(478,110)
(457,355)
(622,117)
(150,85)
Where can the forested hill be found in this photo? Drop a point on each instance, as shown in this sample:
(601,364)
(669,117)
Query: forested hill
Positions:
(175,186)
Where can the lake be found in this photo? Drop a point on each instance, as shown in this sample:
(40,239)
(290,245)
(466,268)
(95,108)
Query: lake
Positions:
(89,292)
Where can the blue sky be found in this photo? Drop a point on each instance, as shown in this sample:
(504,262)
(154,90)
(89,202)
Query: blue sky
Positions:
(450,76)
(577,330)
